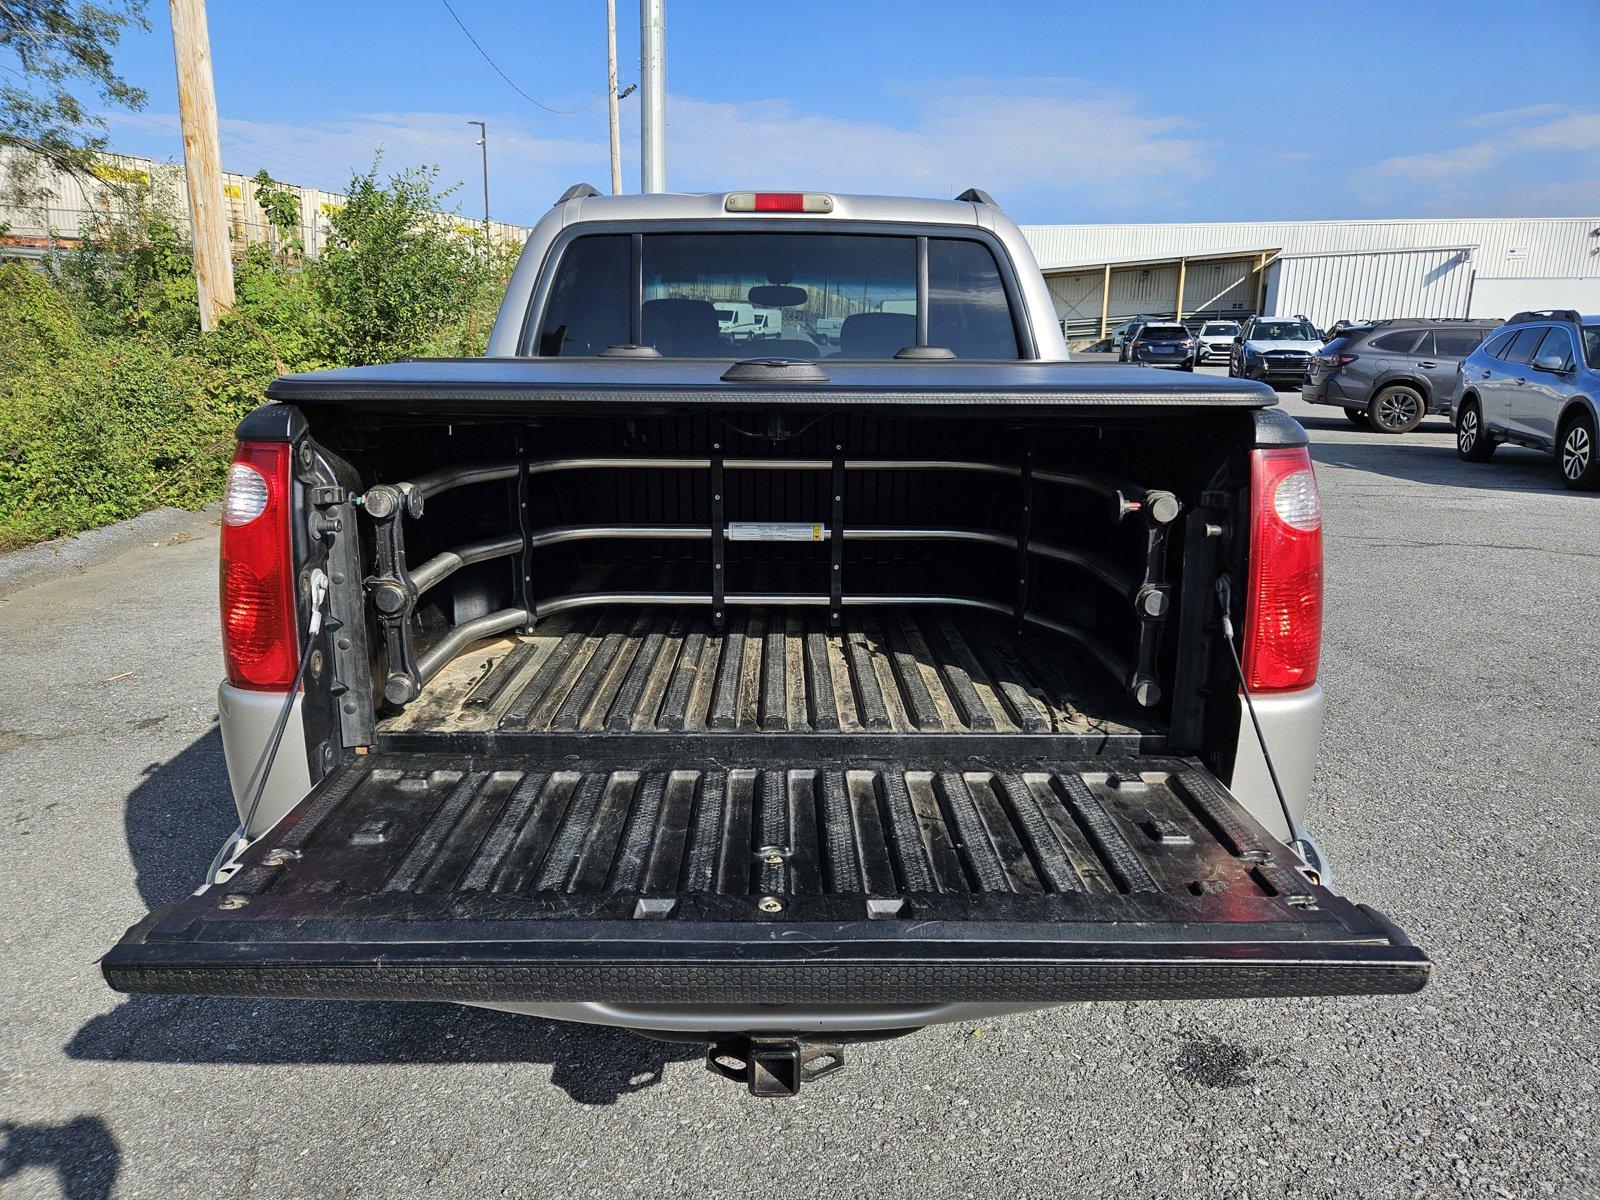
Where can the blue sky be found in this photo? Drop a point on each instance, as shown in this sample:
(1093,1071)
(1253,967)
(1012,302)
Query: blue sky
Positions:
(1066,112)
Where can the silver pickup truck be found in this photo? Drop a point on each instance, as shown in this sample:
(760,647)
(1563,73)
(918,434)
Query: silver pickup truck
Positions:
(908,673)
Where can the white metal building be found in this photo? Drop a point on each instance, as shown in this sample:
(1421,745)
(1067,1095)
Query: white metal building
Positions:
(1325,270)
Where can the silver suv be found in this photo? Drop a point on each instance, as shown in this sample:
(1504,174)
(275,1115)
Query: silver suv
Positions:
(1388,375)
(1215,337)
(1275,349)
(1535,382)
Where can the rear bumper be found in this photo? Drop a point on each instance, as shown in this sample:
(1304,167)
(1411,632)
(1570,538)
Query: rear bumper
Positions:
(1326,391)
(725,965)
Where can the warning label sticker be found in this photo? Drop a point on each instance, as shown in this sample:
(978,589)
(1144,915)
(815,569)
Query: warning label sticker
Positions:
(775,531)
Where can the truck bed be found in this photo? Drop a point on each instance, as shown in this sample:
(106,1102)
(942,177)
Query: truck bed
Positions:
(664,878)
(664,671)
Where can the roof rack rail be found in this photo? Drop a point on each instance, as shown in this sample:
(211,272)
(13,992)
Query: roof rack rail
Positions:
(978,196)
(1547,314)
(578,191)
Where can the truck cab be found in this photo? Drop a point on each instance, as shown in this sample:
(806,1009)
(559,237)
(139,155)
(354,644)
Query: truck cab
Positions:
(909,674)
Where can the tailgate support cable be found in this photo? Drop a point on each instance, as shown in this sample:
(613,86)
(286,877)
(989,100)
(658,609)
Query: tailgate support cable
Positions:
(1296,842)
(258,782)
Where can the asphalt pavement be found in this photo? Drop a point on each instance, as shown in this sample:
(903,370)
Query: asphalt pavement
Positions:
(1457,792)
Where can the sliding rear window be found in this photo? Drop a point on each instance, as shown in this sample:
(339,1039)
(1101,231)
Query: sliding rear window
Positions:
(793,295)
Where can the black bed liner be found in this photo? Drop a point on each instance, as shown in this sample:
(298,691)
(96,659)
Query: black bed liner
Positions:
(1027,879)
(594,385)
(654,671)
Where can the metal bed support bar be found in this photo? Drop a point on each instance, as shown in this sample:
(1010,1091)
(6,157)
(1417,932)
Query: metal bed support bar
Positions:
(447,562)
(395,589)
(1130,495)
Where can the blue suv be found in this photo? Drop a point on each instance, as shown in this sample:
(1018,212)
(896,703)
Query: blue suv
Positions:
(1535,382)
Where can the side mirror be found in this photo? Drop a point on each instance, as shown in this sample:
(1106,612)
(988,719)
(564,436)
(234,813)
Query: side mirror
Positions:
(1238,341)
(1554,363)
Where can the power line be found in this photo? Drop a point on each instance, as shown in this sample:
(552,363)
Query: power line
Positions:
(282,153)
(263,156)
(560,112)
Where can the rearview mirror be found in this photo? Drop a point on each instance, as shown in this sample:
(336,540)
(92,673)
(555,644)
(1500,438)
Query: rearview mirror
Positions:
(777,295)
(1550,362)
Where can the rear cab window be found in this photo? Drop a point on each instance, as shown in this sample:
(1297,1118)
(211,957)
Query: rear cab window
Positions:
(814,295)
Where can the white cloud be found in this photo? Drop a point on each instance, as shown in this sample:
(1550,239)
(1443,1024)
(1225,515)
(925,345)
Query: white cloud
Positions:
(1536,159)
(1059,139)
(1060,135)
(1505,116)
(1440,166)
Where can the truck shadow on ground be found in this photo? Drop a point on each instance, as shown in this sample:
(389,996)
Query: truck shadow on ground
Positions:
(174,820)
(82,1154)
(591,1064)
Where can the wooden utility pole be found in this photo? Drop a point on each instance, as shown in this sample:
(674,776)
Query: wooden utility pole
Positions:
(202,160)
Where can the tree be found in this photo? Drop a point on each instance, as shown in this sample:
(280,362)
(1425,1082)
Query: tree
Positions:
(59,50)
(394,271)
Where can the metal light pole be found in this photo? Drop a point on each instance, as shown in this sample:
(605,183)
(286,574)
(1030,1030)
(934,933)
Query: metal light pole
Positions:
(611,97)
(483,142)
(653,95)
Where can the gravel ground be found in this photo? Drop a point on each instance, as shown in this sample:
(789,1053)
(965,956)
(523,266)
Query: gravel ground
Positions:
(1456,792)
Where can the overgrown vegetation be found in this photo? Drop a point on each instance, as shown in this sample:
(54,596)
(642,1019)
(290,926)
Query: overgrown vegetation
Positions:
(112,401)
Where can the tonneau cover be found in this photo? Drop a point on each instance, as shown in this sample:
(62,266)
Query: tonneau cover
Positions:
(555,384)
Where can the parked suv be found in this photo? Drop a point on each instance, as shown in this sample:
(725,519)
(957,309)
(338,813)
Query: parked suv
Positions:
(1535,382)
(1388,375)
(1274,349)
(1163,344)
(1215,337)
(1125,333)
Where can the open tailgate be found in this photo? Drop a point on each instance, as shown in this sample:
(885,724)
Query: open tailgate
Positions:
(498,878)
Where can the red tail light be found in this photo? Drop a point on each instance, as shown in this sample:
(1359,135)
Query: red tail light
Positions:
(1283,613)
(260,639)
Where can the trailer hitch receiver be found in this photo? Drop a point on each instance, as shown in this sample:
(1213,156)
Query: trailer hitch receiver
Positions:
(773,1067)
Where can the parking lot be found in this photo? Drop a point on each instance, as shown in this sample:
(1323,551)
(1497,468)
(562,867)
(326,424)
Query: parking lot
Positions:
(1456,792)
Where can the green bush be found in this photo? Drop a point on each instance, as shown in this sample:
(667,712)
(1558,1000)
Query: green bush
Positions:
(113,402)
(108,430)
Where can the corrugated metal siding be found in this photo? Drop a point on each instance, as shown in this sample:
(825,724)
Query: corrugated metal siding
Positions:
(1500,297)
(1076,297)
(1229,283)
(1333,287)
(70,202)
(1209,286)
(1546,246)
